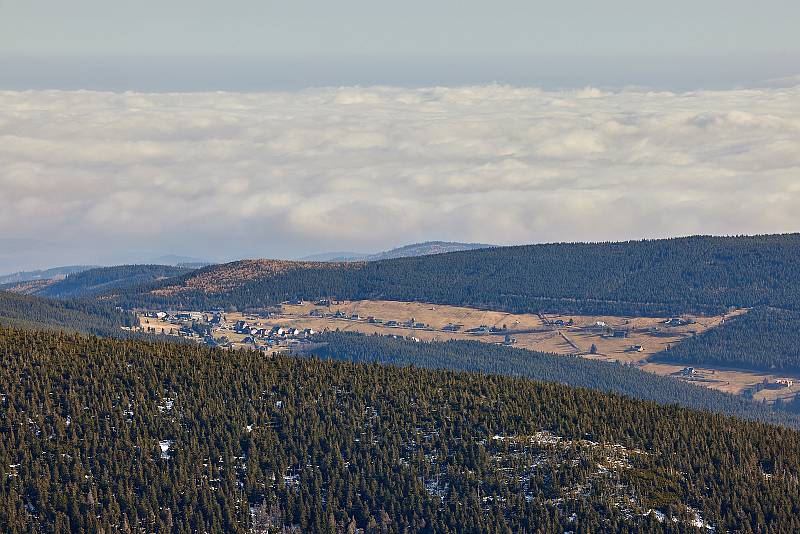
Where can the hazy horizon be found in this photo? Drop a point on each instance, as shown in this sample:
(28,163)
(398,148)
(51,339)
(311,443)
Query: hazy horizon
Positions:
(175,259)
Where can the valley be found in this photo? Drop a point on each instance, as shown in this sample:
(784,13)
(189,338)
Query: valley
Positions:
(627,340)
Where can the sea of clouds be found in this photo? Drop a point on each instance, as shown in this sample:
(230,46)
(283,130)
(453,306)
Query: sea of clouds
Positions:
(280,174)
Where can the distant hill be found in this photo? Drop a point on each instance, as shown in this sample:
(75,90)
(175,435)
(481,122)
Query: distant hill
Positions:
(335,256)
(700,274)
(416,249)
(43,274)
(107,280)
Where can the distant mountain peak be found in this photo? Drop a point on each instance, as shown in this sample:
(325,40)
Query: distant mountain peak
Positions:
(425,248)
(178,260)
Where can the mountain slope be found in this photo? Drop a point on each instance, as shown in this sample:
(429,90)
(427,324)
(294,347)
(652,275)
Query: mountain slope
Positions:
(102,435)
(659,277)
(105,280)
(42,274)
(26,311)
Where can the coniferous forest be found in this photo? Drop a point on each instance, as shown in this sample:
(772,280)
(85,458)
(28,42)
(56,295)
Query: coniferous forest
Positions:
(570,370)
(102,435)
(764,339)
(84,315)
(103,280)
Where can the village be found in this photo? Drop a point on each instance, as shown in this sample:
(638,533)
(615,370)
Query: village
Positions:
(215,329)
(263,330)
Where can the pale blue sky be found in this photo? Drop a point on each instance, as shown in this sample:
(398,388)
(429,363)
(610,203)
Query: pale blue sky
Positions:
(262,44)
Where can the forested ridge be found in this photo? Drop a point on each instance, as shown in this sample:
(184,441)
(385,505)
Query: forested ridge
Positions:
(42,274)
(764,338)
(101,280)
(657,277)
(24,311)
(569,370)
(102,435)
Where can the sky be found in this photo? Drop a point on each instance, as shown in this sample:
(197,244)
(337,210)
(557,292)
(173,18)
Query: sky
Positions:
(257,45)
(281,129)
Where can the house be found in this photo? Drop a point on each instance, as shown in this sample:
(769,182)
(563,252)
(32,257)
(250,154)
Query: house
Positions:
(635,348)
(355,317)
(784,382)
(600,324)
(481,330)
(452,328)
(315,313)
(391,323)
(688,371)
(620,333)
(323,302)
(419,325)
(678,321)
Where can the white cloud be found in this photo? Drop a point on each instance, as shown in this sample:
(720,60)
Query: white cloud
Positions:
(276,174)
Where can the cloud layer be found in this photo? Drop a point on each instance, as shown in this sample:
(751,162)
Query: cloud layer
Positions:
(107,176)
